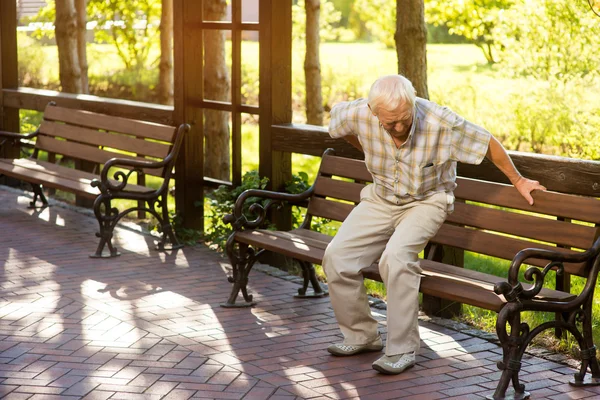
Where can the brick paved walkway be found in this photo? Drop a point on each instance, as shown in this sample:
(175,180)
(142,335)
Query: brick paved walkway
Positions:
(148,325)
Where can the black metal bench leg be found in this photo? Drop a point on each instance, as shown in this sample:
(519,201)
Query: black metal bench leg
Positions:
(106,217)
(511,362)
(38,193)
(167,229)
(241,263)
(310,276)
(588,355)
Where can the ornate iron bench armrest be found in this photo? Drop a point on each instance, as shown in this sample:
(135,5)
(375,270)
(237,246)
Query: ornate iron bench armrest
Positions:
(239,221)
(275,199)
(137,165)
(105,184)
(512,289)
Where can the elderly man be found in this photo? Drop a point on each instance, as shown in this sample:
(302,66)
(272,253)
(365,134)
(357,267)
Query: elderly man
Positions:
(411,148)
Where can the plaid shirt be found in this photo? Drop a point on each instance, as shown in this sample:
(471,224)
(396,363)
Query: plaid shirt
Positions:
(426,163)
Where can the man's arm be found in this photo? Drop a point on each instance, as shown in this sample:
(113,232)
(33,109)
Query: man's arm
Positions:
(353,140)
(497,154)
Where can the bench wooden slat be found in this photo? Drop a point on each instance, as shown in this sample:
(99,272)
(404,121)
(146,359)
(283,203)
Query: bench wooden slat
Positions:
(57,177)
(529,226)
(335,188)
(491,244)
(105,139)
(318,237)
(538,228)
(456,284)
(81,188)
(282,245)
(334,210)
(56,180)
(69,173)
(84,152)
(552,203)
(465,275)
(89,119)
(496,245)
(346,168)
(54,169)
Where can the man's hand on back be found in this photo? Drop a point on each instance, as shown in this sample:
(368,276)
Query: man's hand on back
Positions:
(526,186)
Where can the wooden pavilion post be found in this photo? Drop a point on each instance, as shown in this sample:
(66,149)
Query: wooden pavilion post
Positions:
(275,99)
(9,76)
(188,49)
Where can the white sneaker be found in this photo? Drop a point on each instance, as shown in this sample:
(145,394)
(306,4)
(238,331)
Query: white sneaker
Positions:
(394,365)
(342,350)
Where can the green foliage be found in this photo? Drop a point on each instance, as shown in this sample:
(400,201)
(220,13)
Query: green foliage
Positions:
(298,184)
(474,20)
(44,21)
(32,61)
(30,120)
(329,20)
(131,26)
(127,85)
(440,34)
(556,119)
(550,40)
(379,17)
(187,236)
(345,8)
(250,83)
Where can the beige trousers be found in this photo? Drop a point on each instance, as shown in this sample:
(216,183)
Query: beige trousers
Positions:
(395,234)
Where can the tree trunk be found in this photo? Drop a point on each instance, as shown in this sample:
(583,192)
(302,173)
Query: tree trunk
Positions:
(66,41)
(165,80)
(216,87)
(312,64)
(81,8)
(411,42)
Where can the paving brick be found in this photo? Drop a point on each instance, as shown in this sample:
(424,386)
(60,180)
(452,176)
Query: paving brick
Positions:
(461,391)
(17,396)
(38,389)
(147,325)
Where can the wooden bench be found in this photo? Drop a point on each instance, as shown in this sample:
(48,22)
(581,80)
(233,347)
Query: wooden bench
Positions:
(128,146)
(489,218)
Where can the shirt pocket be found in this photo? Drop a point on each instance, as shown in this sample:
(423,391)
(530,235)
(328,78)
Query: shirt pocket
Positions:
(427,176)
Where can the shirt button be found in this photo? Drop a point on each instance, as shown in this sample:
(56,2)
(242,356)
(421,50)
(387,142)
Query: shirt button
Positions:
(396,180)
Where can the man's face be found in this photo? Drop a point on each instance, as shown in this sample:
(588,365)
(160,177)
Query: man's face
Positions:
(397,122)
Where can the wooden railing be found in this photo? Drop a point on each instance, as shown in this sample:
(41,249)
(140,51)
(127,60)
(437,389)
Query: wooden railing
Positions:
(37,99)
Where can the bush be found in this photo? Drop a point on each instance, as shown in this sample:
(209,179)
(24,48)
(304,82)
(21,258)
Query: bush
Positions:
(127,85)
(554,120)
(555,39)
(221,203)
(32,62)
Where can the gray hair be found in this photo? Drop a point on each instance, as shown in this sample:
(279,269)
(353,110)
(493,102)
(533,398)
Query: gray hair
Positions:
(389,91)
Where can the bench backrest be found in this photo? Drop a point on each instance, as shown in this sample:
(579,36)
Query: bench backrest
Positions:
(94,137)
(489,218)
